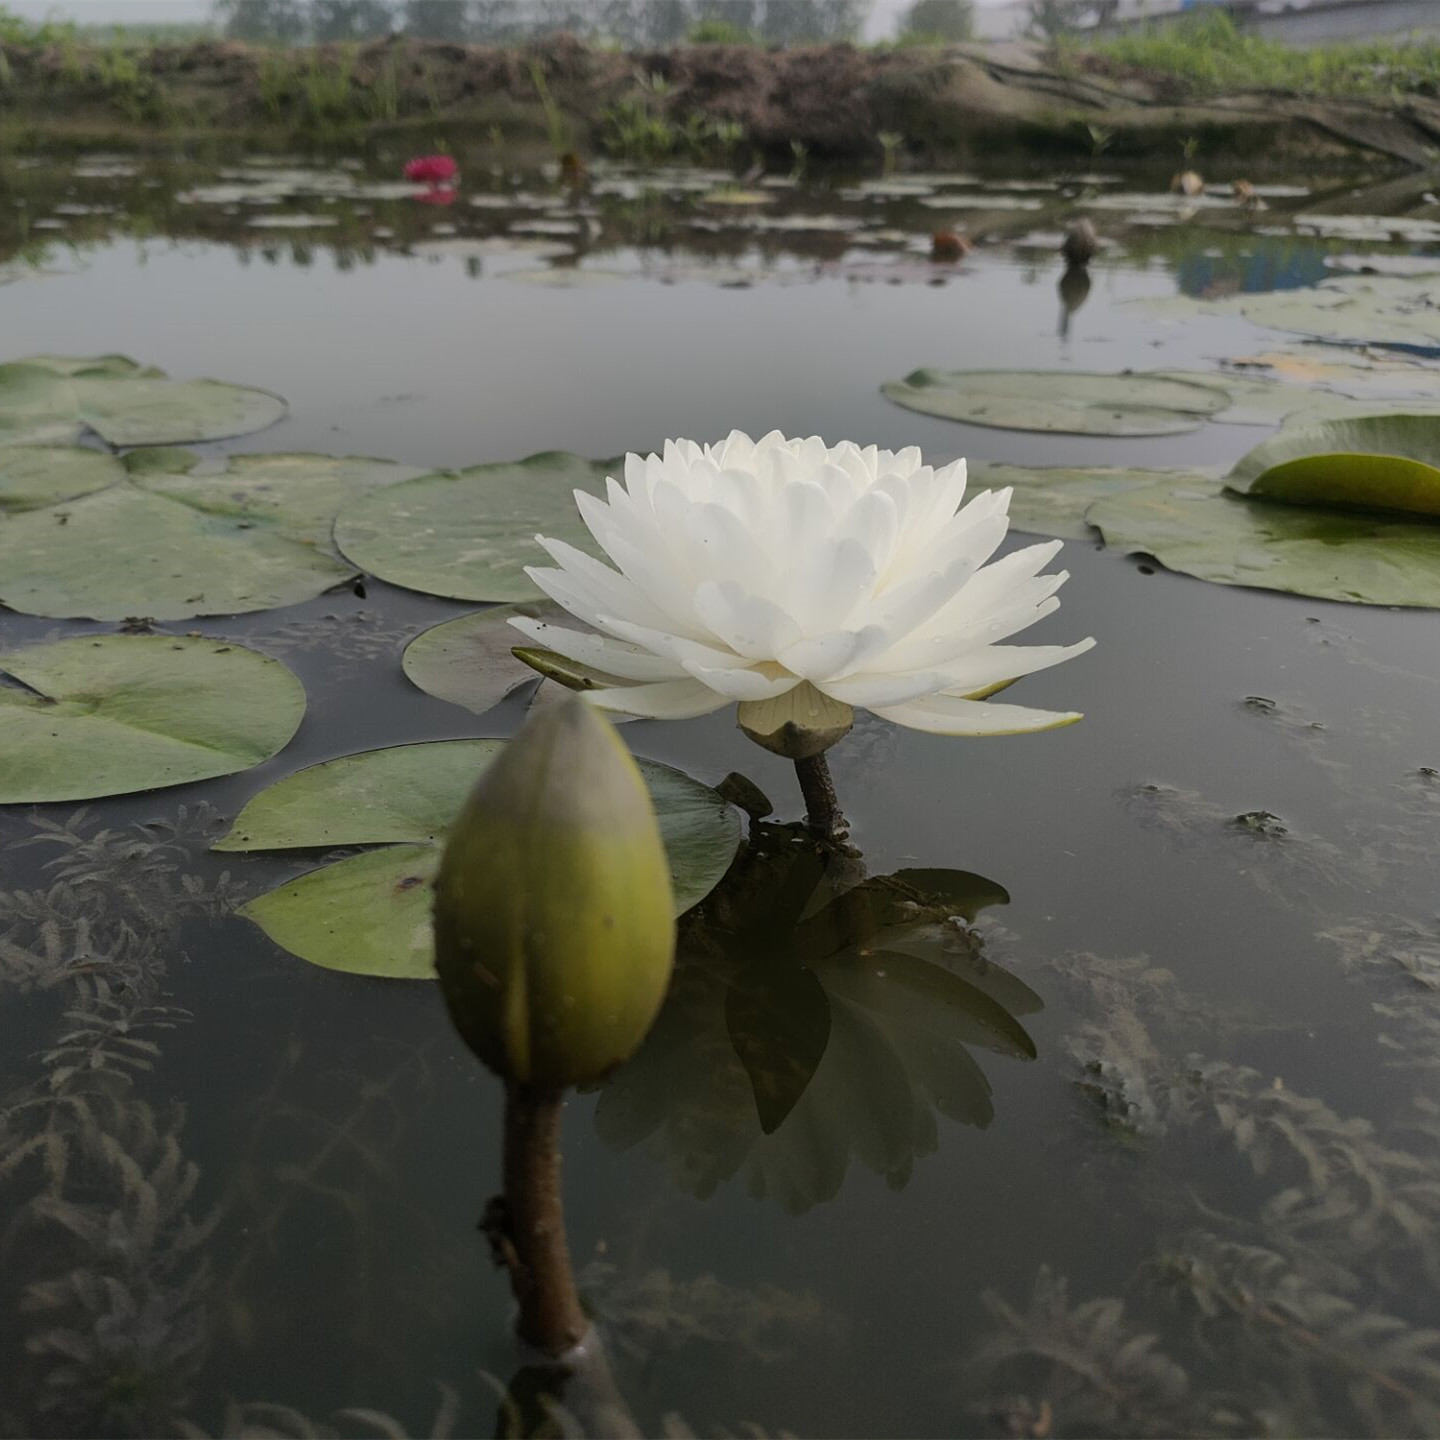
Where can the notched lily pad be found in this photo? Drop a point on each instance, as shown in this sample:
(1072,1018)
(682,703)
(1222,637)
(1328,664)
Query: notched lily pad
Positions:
(1200,528)
(477,660)
(369,914)
(469,534)
(1054,500)
(111,714)
(169,540)
(49,399)
(1063,402)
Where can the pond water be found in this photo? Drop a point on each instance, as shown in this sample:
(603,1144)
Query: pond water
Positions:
(1207,1205)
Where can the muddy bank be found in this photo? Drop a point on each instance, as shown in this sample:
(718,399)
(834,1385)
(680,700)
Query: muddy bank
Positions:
(965,104)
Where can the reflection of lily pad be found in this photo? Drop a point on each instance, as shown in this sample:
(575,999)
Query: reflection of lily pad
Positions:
(1386,462)
(111,714)
(1197,527)
(1068,402)
(817,1017)
(1350,309)
(370,914)
(469,535)
(48,400)
(166,540)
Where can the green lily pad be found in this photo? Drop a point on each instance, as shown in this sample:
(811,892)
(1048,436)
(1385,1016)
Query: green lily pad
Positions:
(168,540)
(1054,500)
(1068,402)
(370,914)
(1198,527)
(471,661)
(33,476)
(1386,462)
(111,714)
(468,535)
(48,400)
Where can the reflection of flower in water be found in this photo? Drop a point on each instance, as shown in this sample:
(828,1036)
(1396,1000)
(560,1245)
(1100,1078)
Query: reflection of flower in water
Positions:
(818,1016)
(431,169)
(436,195)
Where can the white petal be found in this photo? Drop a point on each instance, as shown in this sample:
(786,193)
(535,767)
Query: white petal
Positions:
(596,585)
(750,625)
(667,700)
(993,663)
(837,652)
(743,684)
(952,715)
(614,657)
(831,580)
(679,648)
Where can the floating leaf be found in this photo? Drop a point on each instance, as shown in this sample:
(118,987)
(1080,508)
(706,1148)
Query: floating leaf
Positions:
(169,541)
(1386,462)
(1198,527)
(370,914)
(47,400)
(1053,501)
(468,535)
(471,661)
(35,476)
(1069,402)
(112,714)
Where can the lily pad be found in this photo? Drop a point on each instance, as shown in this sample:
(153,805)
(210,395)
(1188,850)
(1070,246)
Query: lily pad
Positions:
(370,914)
(32,476)
(1053,500)
(48,400)
(1069,402)
(111,714)
(1198,527)
(468,535)
(1386,462)
(169,541)
(471,661)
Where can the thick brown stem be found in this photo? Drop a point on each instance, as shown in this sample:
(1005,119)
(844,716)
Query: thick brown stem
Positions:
(531,1239)
(822,809)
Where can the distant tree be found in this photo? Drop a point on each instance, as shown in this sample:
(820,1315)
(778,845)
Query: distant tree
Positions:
(332,20)
(741,16)
(950,20)
(497,22)
(800,22)
(436,19)
(263,22)
(664,22)
(1049,19)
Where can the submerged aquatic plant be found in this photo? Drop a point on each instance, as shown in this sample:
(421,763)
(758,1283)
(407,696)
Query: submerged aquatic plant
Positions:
(802,580)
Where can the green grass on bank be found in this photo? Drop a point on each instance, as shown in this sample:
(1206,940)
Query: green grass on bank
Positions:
(1208,55)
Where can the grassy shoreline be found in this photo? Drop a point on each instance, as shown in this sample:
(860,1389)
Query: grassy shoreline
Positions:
(738,103)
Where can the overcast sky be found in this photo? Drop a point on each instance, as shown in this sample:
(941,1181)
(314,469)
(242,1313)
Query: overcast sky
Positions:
(113,12)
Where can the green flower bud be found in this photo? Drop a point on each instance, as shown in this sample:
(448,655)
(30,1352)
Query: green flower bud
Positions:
(554,928)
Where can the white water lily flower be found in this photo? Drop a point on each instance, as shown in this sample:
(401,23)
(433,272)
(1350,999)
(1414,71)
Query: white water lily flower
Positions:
(831,576)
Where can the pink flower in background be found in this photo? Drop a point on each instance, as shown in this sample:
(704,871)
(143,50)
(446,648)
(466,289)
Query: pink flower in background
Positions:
(431,169)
